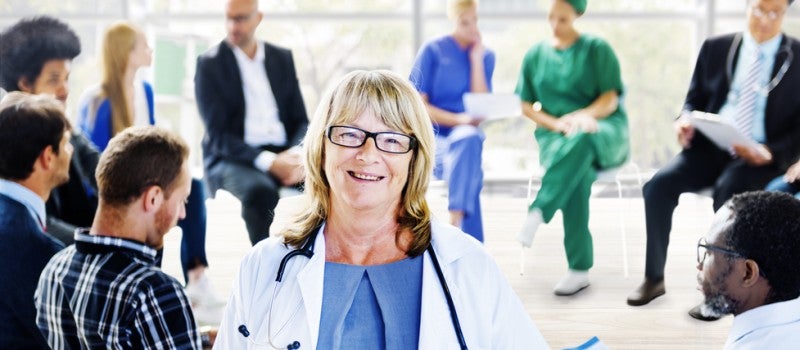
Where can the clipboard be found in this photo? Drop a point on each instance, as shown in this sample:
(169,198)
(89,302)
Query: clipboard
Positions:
(492,105)
(723,134)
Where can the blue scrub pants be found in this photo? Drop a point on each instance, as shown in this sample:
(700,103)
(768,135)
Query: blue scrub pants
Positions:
(458,162)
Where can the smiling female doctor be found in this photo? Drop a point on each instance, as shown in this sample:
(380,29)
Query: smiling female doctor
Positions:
(364,266)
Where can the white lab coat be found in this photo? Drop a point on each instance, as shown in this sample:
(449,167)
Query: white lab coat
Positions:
(491,315)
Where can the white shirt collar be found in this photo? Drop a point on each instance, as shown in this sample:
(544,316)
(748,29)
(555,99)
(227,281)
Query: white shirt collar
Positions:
(241,56)
(24,195)
(764,316)
(767,48)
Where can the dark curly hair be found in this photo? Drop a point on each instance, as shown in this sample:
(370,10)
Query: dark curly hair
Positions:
(27,45)
(766,229)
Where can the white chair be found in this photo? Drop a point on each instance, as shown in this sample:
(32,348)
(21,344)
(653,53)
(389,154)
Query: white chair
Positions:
(614,175)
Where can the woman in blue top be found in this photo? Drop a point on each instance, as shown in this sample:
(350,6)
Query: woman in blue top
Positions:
(445,69)
(570,86)
(122,101)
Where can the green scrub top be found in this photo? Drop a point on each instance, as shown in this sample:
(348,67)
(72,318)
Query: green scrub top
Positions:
(570,79)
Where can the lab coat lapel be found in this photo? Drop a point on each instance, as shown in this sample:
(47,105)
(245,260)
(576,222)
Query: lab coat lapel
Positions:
(310,280)
(436,329)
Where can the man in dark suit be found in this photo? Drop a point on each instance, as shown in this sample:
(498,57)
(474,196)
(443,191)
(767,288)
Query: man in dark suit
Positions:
(249,98)
(750,79)
(34,158)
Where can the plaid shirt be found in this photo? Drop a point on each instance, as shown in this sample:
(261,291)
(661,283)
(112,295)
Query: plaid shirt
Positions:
(106,292)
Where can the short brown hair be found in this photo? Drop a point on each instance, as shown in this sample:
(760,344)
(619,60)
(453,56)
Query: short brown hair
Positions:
(28,124)
(137,158)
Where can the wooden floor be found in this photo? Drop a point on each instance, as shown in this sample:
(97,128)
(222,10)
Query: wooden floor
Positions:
(600,310)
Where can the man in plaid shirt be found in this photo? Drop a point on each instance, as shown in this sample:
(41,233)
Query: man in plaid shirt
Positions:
(105,290)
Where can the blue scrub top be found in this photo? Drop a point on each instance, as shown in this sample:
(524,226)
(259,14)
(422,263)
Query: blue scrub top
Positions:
(442,72)
(371,307)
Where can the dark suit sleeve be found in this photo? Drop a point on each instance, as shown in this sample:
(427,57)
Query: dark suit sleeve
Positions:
(216,111)
(295,114)
(783,112)
(697,97)
(88,156)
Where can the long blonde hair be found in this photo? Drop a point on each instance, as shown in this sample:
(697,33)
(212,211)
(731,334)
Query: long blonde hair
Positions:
(118,43)
(398,105)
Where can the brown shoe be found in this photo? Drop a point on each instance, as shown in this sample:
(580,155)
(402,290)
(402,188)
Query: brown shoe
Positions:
(697,313)
(648,291)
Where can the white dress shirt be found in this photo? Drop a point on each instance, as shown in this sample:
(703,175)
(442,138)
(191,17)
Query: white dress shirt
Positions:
(262,126)
(773,326)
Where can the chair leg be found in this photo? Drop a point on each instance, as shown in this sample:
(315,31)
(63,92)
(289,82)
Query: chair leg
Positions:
(622,230)
(522,247)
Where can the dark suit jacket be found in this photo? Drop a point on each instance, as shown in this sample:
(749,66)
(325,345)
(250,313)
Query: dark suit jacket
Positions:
(73,204)
(710,85)
(24,251)
(218,90)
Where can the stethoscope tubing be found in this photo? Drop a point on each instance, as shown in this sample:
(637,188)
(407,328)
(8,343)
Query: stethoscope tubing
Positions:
(786,47)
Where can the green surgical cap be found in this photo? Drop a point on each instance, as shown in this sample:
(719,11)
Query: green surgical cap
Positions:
(579,5)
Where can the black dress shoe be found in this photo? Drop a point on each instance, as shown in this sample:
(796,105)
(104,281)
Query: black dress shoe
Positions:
(648,291)
(697,313)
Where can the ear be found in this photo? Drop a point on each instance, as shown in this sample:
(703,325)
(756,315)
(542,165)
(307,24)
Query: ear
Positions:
(153,198)
(46,158)
(751,274)
(24,85)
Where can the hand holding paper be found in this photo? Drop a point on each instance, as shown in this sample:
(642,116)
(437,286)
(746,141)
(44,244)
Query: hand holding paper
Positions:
(756,156)
(723,134)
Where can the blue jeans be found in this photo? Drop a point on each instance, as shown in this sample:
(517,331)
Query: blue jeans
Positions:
(779,185)
(193,242)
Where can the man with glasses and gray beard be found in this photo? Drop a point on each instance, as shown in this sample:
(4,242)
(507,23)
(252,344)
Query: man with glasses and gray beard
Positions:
(748,263)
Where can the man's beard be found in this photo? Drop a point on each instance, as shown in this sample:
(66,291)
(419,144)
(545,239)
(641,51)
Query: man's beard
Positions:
(718,305)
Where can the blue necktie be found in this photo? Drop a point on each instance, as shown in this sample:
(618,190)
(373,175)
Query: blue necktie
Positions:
(746,107)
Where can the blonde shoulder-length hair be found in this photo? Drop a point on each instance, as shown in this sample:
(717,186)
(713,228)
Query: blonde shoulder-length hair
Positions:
(118,42)
(398,105)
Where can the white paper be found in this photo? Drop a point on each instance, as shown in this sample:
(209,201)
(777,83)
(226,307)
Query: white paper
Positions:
(724,135)
(491,105)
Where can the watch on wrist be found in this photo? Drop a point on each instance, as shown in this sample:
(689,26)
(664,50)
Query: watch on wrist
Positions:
(537,106)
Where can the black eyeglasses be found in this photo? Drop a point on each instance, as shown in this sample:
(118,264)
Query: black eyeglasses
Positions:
(703,248)
(389,142)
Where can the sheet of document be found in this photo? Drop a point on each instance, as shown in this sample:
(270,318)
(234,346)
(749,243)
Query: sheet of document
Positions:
(492,105)
(724,135)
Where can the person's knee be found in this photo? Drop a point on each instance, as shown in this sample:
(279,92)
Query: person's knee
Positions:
(467,134)
(652,189)
(260,195)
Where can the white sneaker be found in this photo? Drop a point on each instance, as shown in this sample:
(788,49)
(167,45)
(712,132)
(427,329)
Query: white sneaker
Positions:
(532,222)
(572,283)
(202,293)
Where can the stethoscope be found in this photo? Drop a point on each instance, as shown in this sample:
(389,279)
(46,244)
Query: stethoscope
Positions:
(307,250)
(765,90)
